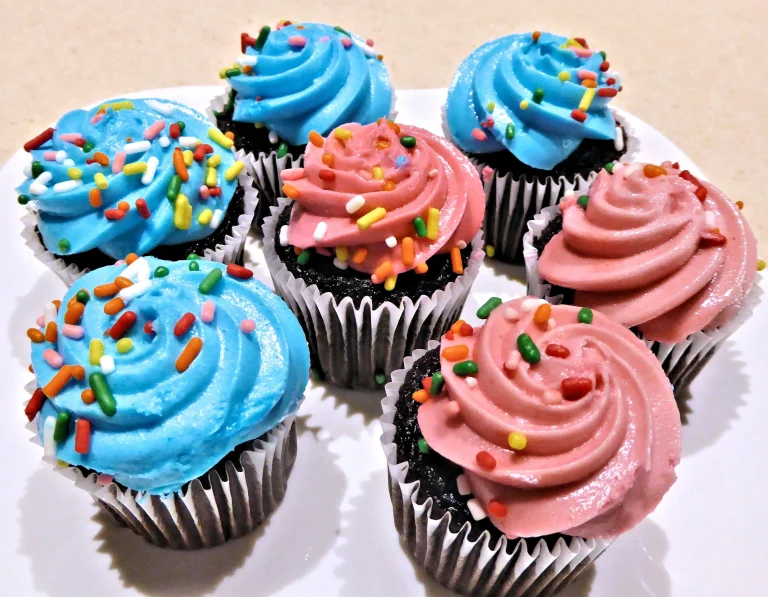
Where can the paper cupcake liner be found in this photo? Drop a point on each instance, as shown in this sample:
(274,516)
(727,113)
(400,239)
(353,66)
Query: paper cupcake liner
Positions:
(511,202)
(231,251)
(472,567)
(351,345)
(209,511)
(682,360)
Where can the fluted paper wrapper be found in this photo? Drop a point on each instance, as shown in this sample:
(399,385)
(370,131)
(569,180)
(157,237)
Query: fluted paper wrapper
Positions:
(682,360)
(349,344)
(475,568)
(511,202)
(229,252)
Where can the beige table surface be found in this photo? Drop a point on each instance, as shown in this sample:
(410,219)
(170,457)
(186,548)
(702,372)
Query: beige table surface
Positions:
(695,69)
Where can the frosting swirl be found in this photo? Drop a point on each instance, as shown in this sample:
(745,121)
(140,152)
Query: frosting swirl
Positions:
(366,185)
(307,77)
(648,252)
(171,426)
(595,464)
(104,178)
(527,94)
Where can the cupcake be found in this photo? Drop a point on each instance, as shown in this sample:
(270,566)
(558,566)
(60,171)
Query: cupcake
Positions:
(517,451)
(656,249)
(531,111)
(143,176)
(167,390)
(376,246)
(292,82)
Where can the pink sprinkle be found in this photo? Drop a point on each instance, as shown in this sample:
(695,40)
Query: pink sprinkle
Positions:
(41,321)
(324,38)
(118,162)
(292,174)
(154,130)
(323,251)
(120,262)
(204,192)
(369,42)
(297,41)
(70,137)
(583,73)
(346,42)
(72,331)
(582,52)
(365,175)
(479,135)
(208,311)
(487,173)
(452,408)
(104,479)
(247,326)
(97,117)
(53,358)
(49,156)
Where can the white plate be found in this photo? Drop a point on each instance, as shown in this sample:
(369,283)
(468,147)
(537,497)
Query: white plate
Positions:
(334,535)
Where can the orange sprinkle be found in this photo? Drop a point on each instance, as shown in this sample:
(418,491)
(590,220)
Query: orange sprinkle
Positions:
(230,135)
(591,83)
(189,354)
(31,368)
(390,185)
(57,383)
(456,327)
(740,204)
(35,335)
(124,206)
(57,304)
(122,282)
(421,268)
(328,159)
(101,158)
(130,258)
(106,290)
(456,264)
(459,352)
(542,314)
(51,332)
(94,197)
(114,306)
(360,255)
(385,269)
(394,126)
(247,69)
(290,191)
(383,143)
(421,396)
(179,165)
(408,254)
(298,250)
(652,171)
(88,396)
(78,372)
(316,139)
(74,313)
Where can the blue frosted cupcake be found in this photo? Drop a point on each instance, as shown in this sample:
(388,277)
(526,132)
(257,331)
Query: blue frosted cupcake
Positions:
(168,391)
(531,111)
(291,81)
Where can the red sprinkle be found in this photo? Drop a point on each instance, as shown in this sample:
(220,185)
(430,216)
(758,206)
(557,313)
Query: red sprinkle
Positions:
(605,66)
(90,161)
(82,436)
(607,92)
(485,461)
(496,509)
(579,115)
(573,388)
(42,138)
(490,122)
(122,325)
(582,41)
(199,154)
(35,404)
(114,214)
(610,81)
(466,330)
(426,383)
(712,239)
(215,192)
(701,193)
(239,272)
(449,335)
(676,165)
(80,142)
(143,208)
(558,350)
(182,326)
(148,328)
(246,41)
(175,131)
(327,175)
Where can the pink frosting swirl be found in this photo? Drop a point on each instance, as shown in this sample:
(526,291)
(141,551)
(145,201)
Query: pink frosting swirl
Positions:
(593,466)
(346,179)
(649,253)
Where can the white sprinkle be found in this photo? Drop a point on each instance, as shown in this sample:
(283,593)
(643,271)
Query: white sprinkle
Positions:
(49,446)
(273,138)
(618,140)
(149,173)
(27,170)
(339,263)
(247,60)
(463,485)
(137,147)
(530,304)
(164,141)
(471,381)
(49,313)
(218,216)
(161,107)
(513,361)
(551,323)
(61,155)
(617,167)
(69,163)
(552,397)
(284,236)
(510,314)
(391,242)
(130,293)
(569,193)
(107,364)
(137,271)
(189,142)
(631,169)
(355,204)
(475,509)
(709,219)
(461,244)
(320,230)
(365,48)
(67,185)
(37,189)
(433,173)
(44,178)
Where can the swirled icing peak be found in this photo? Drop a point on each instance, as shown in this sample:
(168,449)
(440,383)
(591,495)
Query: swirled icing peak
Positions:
(391,196)
(655,248)
(537,95)
(129,175)
(161,368)
(304,77)
(561,426)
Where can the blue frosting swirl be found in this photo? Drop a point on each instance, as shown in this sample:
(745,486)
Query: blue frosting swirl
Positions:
(70,224)
(172,427)
(503,73)
(333,79)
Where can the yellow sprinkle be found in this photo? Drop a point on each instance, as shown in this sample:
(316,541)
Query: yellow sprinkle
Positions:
(433,221)
(572,43)
(564,76)
(342,134)
(135,168)
(586,99)
(189,157)
(390,281)
(124,345)
(61,463)
(524,104)
(218,137)
(342,253)
(491,106)
(210,177)
(760,265)
(223,73)
(378,173)
(100,180)
(235,169)
(205,217)
(95,351)
(371,218)
(214,161)
(517,441)
(258,125)
(490,250)
(124,105)
(182,216)
(75,173)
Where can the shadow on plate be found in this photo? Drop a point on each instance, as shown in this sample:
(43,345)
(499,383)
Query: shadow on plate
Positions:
(26,310)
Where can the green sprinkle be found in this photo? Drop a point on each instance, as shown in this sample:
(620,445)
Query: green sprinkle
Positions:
(161,272)
(61,430)
(230,101)
(603,55)
(88,146)
(304,257)
(181,124)
(193,257)
(262,38)
(485,311)
(609,167)
(408,141)
(465,368)
(585,315)
(37,169)
(315,374)
(438,381)
(174,187)
(210,281)
(538,95)
(510,131)
(23,199)
(282,149)
(233,72)
(82,296)
(583,200)
(380,378)
(64,245)
(424,446)
(528,350)
(102,393)
(344,31)
(194,266)
(421,227)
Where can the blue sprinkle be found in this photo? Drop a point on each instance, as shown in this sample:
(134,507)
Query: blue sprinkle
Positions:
(402,161)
